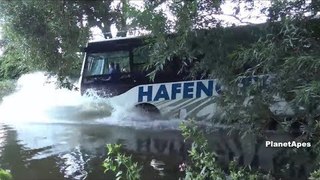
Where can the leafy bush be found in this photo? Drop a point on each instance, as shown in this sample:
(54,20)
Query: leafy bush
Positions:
(315,175)
(122,164)
(12,64)
(202,163)
(6,87)
(5,175)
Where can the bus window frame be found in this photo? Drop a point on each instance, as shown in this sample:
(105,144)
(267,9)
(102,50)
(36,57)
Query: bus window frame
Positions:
(85,68)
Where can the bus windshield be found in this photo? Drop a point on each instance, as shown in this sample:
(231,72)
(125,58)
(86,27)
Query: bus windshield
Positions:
(98,63)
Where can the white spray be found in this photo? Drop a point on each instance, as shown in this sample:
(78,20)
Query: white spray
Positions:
(37,99)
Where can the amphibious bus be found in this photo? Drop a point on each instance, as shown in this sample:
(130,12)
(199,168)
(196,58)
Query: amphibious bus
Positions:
(169,94)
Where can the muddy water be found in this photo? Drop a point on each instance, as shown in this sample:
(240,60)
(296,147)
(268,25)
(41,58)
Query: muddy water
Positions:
(76,151)
(50,133)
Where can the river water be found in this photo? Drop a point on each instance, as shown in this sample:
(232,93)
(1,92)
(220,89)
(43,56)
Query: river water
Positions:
(48,133)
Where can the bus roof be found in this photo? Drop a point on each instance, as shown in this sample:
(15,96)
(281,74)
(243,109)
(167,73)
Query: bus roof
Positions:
(115,39)
(114,44)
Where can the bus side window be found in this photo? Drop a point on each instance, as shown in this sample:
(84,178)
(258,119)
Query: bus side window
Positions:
(121,60)
(95,66)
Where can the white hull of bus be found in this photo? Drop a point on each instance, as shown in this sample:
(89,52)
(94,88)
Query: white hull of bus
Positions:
(183,100)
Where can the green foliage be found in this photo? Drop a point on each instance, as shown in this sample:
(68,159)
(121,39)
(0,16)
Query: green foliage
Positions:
(292,58)
(6,87)
(203,162)
(47,35)
(315,175)
(5,175)
(39,31)
(122,164)
(241,173)
(12,65)
(163,47)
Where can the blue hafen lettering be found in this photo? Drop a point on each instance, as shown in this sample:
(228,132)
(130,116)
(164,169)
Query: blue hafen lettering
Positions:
(202,88)
(175,89)
(187,89)
(147,93)
(162,93)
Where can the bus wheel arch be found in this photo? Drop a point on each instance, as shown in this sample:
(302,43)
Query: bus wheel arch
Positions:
(148,109)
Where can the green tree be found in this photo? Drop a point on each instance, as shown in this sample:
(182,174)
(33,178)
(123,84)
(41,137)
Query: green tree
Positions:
(47,35)
(5,175)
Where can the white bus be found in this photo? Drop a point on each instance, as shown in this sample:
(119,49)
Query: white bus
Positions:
(170,94)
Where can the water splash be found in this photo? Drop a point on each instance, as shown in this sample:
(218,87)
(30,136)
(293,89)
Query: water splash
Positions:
(37,99)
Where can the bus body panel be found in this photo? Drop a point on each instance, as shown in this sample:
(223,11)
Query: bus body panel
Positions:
(182,99)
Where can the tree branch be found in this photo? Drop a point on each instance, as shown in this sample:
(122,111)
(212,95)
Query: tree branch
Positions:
(237,18)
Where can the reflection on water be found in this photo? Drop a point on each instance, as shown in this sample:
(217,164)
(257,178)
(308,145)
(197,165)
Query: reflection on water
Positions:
(76,151)
(47,133)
